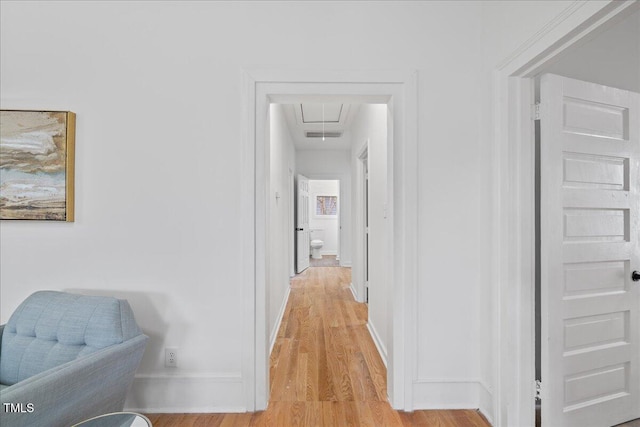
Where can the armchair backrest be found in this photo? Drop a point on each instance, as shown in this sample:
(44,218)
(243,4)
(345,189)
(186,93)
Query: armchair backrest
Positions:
(51,328)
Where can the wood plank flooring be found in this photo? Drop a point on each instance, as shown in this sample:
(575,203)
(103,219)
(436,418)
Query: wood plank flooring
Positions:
(325,369)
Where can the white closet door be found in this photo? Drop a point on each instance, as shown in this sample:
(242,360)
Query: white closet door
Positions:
(589,248)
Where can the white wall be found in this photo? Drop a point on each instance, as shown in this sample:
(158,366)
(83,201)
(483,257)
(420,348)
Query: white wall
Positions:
(281,163)
(326,227)
(370,127)
(157,90)
(332,164)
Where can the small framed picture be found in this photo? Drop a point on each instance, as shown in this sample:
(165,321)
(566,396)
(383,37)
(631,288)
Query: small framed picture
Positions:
(326,206)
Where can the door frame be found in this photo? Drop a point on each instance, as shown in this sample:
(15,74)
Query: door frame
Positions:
(398,89)
(361,210)
(513,172)
(341,178)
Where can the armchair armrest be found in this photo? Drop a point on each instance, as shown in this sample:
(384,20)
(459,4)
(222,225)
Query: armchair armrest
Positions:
(74,391)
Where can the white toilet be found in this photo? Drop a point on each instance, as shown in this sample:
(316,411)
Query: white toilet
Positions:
(316,243)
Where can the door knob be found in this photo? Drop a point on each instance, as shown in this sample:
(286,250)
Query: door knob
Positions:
(635,276)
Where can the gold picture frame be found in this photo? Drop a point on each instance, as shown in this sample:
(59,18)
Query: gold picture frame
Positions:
(37,165)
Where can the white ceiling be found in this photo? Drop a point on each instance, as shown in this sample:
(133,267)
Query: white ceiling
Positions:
(306,117)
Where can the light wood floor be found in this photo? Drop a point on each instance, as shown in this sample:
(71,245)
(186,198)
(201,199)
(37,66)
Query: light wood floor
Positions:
(325,369)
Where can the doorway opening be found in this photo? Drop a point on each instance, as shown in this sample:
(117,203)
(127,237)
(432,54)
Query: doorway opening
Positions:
(333,223)
(517,247)
(590,166)
(324,222)
(398,90)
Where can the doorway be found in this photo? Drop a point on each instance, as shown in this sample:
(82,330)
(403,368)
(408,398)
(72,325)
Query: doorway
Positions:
(324,222)
(597,80)
(397,89)
(595,163)
(516,249)
(333,199)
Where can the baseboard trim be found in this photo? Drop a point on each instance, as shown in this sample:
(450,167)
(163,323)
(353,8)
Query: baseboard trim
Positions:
(345,264)
(486,401)
(276,327)
(452,393)
(192,393)
(378,342)
(353,292)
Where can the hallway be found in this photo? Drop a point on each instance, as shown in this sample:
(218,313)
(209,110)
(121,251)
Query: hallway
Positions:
(325,369)
(323,352)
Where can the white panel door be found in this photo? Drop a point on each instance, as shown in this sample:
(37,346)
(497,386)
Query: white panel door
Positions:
(302,224)
(589,248)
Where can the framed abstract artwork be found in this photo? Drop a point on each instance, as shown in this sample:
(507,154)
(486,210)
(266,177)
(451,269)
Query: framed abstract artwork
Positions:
(37,165)
(326,206)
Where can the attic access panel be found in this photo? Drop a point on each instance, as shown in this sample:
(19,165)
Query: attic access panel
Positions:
(312,113)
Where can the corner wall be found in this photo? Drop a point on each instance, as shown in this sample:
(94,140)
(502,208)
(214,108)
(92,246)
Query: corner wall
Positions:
(282,167)
(370,127)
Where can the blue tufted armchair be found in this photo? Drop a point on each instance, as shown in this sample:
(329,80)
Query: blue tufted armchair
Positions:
(65,358)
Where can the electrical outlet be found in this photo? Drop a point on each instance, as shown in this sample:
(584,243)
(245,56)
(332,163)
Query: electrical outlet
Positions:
(171,357)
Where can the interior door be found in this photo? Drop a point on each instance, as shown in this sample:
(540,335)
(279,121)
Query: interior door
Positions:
(302,223)
(589,237)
